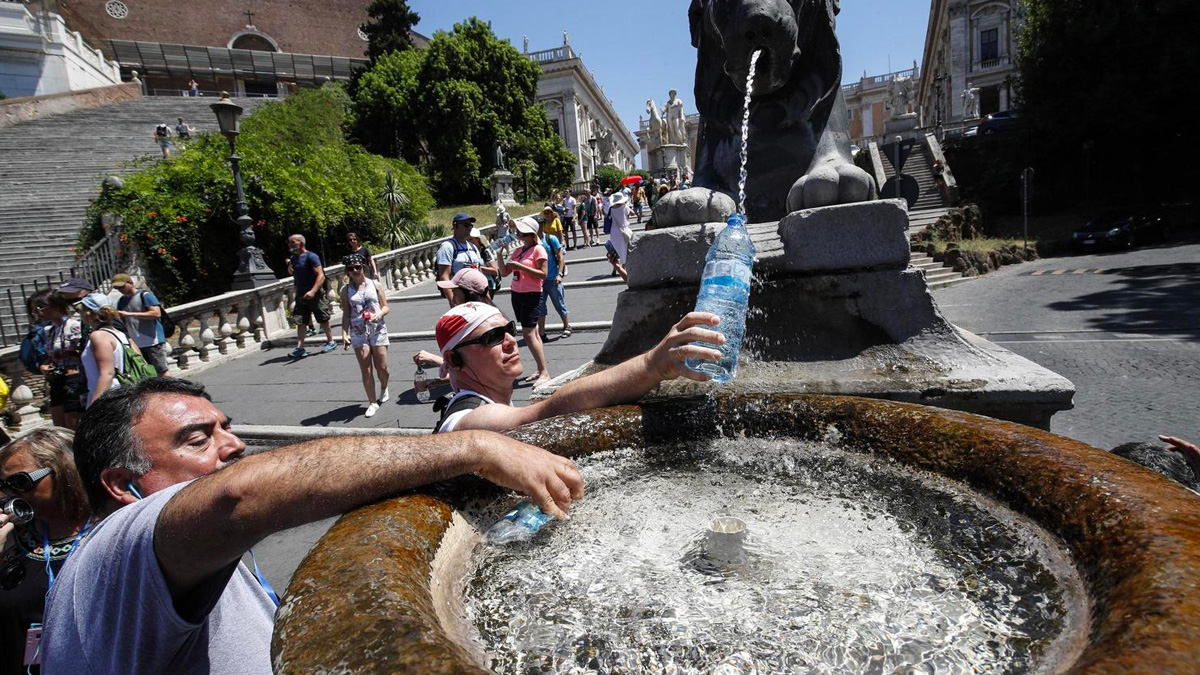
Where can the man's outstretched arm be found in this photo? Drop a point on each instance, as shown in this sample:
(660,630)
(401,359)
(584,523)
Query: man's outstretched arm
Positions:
(622,383)
(209,524)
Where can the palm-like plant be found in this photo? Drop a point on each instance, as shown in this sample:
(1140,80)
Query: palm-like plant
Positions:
(394,198)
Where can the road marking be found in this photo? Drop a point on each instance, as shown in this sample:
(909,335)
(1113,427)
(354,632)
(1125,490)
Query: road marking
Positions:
(1038,273)
(1057,272)
(1079,272)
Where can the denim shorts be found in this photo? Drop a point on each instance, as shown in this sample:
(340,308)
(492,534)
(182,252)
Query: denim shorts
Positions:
(557,296)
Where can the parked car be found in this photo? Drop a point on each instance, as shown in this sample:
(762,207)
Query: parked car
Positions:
(1124,229)
(997,122)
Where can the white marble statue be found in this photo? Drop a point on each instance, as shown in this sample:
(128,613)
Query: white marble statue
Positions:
(676,121)
(900,95)
(605,145)
(970,99)
(654,139)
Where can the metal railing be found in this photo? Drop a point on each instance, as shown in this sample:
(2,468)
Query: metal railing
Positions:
(17,325)
(186,93)
(102,261)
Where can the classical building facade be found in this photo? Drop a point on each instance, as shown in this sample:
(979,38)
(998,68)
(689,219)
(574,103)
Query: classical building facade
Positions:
(40,55)
(262,48)
(867,103)
(581,113)
(970,46)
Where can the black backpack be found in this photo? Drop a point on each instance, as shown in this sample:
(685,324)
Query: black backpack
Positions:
(447,406)
(161,131)
(168,324)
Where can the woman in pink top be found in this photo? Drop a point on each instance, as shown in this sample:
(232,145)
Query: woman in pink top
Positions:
(528,269)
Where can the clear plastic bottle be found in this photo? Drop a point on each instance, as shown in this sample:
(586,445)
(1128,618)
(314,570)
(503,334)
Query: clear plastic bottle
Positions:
(725,291)
(520,524)
(501,242)
(421,385)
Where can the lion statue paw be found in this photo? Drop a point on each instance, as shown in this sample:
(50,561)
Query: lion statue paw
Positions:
(831,183)
(693,206)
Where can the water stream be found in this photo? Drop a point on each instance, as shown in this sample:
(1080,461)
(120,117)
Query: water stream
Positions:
(741,205)
(852,565)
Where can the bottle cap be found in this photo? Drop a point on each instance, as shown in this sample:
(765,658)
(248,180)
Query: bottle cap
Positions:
(736,219)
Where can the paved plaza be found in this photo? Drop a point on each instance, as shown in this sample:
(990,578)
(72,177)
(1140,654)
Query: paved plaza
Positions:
(1124,327)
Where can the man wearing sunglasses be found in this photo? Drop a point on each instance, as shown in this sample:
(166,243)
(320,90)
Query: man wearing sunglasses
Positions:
(159,587)
(480,355)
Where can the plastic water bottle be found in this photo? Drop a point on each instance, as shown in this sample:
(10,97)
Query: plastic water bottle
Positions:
(725,291)
(501,242)
(420,385)
(520,524)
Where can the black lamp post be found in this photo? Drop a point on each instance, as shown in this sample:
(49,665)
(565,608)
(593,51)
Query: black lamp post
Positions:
(592,147)
(252,270)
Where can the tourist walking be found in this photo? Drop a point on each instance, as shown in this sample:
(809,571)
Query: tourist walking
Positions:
(162,136)
(636,199)
(63,368)
(528,269)
(551,223)
(358,248)
(182,130)
(569,206)
(143,313)
(104,356)
(364,306)
(457,252)
(606,208)
(621,233)
(193,88)
(592,210)
(552,285)
(308,276)
(491,268)
(40,469)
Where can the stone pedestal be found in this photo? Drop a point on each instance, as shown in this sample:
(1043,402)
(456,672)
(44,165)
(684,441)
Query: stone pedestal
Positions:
(670,158)
(836,310)
(502,188)
(905,125)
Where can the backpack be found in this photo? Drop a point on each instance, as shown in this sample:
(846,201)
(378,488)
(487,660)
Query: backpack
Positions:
(451,403)
(33,350)
(161,131)
(168,324)
(135,368)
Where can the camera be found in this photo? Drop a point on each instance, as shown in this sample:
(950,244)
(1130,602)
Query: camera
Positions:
(18,510)
(12,571)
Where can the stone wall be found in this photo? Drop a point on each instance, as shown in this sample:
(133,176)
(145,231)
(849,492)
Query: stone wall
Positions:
(329,27)
(39,55)
(32,107)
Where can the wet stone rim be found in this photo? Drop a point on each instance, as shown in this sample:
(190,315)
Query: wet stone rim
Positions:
(363,600)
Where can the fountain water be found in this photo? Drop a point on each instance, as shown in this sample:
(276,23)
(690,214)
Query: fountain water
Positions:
(746,131)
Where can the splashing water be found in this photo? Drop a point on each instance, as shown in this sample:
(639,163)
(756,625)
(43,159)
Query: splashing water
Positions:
(853,565)
(746,131)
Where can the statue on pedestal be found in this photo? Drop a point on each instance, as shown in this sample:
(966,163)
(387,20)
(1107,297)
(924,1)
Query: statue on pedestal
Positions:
(655,139)
(970,99)
(498,159)
(900,95)
(676,120)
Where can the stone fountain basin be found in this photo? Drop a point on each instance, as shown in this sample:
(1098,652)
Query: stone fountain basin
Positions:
(377,593)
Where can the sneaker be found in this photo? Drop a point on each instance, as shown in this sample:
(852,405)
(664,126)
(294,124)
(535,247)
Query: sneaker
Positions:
(329,346)
(372,409)
(386,395)
(299,353)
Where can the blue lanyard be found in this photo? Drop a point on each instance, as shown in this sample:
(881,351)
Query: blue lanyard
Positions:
(262,580)
(46,549)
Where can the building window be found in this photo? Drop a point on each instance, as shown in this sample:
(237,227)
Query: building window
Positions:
(989,44)
(557,130)
(117,9)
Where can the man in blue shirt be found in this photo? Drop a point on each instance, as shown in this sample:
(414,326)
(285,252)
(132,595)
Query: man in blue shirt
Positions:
(309,277)
(552,287)
(457,252)
(142,312)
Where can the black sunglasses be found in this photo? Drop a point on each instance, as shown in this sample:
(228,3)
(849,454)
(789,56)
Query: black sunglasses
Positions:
(23,481)
(492,337)
(354,267)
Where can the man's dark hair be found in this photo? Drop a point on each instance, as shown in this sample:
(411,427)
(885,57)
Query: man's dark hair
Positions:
(105,438)
(1160,459)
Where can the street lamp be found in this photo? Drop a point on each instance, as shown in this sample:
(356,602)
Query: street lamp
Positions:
(252,270)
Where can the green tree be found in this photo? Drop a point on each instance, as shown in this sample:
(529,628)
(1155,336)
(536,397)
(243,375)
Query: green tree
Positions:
(390,27)
(608,177)
(446,109)
(300,175)
(1098,82)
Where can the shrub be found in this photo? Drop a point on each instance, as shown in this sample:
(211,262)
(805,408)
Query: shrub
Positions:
(300,176)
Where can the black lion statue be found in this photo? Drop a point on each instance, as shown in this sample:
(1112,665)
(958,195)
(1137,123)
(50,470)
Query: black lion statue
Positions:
(799,149)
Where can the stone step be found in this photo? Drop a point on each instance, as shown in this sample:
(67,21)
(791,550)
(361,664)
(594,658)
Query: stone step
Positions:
(946,283)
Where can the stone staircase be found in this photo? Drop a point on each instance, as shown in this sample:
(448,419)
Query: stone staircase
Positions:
(50,169)
(937,275)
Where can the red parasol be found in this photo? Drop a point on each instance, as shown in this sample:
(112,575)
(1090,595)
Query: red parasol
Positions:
(631,180)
